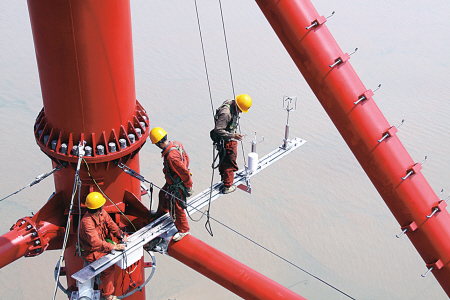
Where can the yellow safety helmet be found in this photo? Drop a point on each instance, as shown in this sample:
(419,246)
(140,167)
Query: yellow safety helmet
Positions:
(244,102)
(94,200)
(157,134)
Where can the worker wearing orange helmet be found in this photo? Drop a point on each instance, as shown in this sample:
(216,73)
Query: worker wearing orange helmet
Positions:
(178,181)
(96,226)
(225,137)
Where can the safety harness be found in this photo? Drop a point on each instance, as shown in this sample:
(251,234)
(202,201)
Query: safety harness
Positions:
(231,126)
(218,141)
(177,184)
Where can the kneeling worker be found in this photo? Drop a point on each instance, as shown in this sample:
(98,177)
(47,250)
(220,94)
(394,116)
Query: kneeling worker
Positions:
(178,181)
(226,123)
(96,226)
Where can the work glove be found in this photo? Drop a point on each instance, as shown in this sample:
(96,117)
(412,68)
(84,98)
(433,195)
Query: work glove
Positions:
(189,192)
(183,204)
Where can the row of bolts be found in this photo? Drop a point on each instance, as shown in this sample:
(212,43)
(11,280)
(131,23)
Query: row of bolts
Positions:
(100,148)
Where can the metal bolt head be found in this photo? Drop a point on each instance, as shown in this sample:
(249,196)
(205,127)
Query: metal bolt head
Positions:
(112,147)
(100,150)
(88,151)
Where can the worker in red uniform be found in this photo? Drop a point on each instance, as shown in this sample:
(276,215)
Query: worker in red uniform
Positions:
(96,226)
(178,181)
(225,137)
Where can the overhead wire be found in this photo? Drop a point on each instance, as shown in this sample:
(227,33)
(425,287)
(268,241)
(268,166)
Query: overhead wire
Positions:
(232,82)
(133,173)
(76,185)
(37,180)
(207,223)
(104,194)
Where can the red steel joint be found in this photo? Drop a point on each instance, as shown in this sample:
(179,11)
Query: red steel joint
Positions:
(440,207)
(411,227)
(317,22)
(340,59)
(415,169)
(391,131)
(437,265)
(367,94)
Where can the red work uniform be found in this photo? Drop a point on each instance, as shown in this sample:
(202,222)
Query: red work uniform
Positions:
(92,241)
(176,171)
(226,122)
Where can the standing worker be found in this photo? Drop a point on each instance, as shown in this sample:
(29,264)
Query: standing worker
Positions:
(95,227)
(178,181)
(224,135)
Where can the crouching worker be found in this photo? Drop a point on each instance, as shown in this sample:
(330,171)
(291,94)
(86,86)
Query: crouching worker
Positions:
(96,226)
(178,181)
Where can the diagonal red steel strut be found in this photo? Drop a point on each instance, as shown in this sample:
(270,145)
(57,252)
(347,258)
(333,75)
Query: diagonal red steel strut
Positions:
(228,272)
(365,130)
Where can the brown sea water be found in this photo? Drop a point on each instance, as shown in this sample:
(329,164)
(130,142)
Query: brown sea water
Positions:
(315,207)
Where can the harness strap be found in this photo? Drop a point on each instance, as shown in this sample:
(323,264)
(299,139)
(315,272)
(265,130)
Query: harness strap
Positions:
(177,183)
(231,126)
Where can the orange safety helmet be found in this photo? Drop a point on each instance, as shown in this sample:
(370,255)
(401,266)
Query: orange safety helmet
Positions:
(244,102)
(156,134)
(94,200)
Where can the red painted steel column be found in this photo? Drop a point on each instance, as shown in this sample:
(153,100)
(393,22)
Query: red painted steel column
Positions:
(333,80)
(226,271)
(85,60)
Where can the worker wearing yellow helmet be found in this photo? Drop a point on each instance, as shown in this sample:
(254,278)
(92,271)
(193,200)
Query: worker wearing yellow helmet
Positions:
(178,181)
(96,226)
(225,137)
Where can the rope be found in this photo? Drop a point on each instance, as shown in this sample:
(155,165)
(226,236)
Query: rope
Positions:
(37,179)
(90,176)
(66,235)
(231,78)
(207,224)
(78,227)
(140,177)
(204,57)
(139,288)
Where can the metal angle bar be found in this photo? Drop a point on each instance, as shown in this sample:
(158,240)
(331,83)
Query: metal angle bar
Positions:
(165,224)
(202,199)
(136,240)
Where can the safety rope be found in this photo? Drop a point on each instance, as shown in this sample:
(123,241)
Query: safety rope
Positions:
(139,288)
(212,108)
(76,184)
(232,83)
(90,176)
(37,179)
(204,57)
(133,173)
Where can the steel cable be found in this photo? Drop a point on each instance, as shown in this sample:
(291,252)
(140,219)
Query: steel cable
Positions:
(232,83)
(140,177)
(37,180)
(212,108)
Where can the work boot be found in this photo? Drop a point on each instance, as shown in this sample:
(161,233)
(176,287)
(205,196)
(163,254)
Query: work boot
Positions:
(179,235)
(153,243)
(229,189)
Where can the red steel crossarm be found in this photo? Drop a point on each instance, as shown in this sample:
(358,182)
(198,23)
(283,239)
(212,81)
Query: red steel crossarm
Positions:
(228,272)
